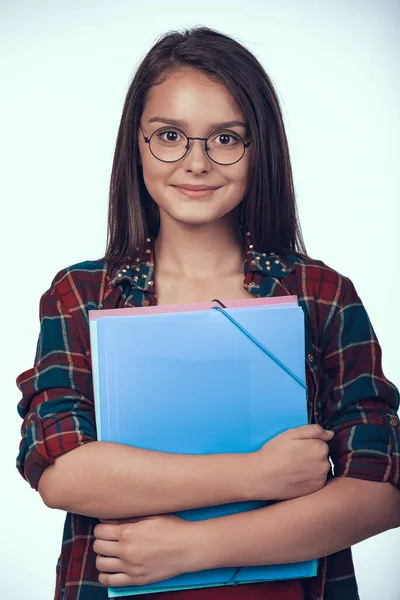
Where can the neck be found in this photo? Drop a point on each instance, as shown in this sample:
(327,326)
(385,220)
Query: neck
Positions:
(200,252)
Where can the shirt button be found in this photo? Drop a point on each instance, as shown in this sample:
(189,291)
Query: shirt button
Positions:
(394,421)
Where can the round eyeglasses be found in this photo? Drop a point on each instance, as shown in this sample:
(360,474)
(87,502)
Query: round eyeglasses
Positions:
(170,144)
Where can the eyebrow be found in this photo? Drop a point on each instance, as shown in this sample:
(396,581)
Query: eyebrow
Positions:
(183,124)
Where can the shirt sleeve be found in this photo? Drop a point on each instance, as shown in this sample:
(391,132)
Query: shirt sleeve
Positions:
(57,398)
(362,403)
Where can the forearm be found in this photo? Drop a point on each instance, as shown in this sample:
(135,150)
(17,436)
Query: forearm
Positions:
(344,512)
(110,481)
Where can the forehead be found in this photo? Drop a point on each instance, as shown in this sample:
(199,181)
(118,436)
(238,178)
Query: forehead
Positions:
(192,96)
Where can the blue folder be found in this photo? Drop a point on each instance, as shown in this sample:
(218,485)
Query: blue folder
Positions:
(202,382)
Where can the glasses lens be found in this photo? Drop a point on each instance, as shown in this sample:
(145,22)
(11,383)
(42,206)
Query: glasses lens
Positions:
(168,145)
(224,147)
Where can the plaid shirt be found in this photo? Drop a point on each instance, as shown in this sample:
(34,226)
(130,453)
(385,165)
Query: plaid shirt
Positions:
(347,390)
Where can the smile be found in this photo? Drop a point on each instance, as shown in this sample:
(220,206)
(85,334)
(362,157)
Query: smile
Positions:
(195,193)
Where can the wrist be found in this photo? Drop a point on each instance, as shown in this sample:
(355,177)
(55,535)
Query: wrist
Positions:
(244,477)
(201,548)
(259,478)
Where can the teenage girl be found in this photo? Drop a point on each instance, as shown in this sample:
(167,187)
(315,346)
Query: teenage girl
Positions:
(202,206)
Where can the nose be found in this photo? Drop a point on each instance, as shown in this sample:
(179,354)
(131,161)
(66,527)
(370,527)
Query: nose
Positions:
(196,160)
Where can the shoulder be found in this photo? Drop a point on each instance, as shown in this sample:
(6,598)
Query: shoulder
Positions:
(81,286)
(328,297)
(316,281)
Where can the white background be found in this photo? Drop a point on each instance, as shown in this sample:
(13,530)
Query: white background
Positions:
(65,69)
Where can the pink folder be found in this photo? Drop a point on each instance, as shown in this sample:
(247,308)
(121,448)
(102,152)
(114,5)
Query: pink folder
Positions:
(170,308)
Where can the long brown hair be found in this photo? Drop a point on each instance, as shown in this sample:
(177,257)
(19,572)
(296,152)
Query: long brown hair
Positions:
(268,209)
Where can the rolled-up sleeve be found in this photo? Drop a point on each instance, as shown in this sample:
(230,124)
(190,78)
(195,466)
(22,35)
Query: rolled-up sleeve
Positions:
(57,395)
(362,405)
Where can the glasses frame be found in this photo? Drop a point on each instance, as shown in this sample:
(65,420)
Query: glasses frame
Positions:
(205,140)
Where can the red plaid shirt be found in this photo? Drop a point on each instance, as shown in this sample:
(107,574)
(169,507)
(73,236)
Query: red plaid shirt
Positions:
(347,390)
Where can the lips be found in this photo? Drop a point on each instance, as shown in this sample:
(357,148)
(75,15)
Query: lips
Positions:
(197,188)
(196,193)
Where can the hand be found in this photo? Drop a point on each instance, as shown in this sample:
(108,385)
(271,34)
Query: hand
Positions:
(142,550)
(292,464)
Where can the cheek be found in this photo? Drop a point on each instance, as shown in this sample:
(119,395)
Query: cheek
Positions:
(239,179)
(156,173)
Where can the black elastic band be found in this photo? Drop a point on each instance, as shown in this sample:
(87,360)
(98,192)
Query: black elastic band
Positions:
(219,302)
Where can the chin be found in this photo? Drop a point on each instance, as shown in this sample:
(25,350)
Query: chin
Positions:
(195,220)
(196,216)
(196,213)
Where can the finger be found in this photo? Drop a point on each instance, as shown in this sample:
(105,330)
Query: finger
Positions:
(108,565)
(118,580)
(107,548)
(107,532)
(312,432)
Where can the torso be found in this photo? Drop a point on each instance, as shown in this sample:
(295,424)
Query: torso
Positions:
(180,290)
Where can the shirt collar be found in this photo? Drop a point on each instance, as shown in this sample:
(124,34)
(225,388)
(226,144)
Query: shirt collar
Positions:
(139,270)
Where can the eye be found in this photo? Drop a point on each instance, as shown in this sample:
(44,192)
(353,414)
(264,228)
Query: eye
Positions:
(224,138)
(169,136)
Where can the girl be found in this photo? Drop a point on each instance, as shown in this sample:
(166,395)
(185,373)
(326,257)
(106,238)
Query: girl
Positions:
(202,206)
